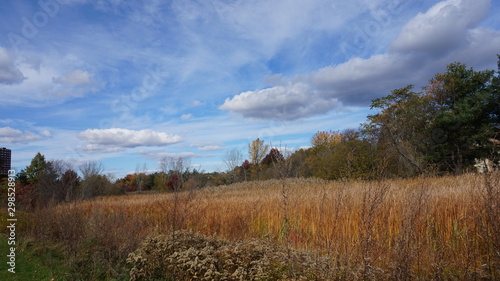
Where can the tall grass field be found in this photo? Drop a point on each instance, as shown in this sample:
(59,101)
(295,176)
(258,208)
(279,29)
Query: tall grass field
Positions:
(434,228)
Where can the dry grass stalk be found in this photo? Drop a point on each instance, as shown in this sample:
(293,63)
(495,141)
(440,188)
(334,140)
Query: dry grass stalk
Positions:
(441,228)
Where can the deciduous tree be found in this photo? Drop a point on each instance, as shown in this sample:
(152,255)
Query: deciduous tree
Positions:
(257,149)
(402,128)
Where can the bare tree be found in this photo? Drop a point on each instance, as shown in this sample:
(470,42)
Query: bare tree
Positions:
(141,176)
(61,168)
(89,169)
(93,183)
(176,168)
(232,159)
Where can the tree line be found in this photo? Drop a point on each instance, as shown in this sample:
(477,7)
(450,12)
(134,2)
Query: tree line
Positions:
(452,125)
(44,183)
(449,126)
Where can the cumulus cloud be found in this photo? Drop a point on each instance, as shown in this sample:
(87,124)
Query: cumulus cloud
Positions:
(10,135)
(358,80)
(186,116)
(480,50)
(443,27)
(9,73)
(447,32)
(116,139)
(280,102)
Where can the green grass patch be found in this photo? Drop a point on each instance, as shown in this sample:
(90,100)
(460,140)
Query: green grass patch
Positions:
(31,263)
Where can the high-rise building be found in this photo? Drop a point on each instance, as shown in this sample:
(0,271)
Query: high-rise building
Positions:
(5,160)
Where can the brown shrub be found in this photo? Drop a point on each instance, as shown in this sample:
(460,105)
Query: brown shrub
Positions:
(191,256)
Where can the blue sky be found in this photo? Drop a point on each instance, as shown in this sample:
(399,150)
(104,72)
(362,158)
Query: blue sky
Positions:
(129,82)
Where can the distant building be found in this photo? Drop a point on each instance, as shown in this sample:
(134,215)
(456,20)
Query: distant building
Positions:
(5,160)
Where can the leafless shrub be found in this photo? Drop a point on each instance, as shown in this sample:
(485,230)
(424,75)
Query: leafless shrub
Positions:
(93,182)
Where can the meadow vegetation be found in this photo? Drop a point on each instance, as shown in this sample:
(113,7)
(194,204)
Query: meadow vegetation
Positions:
(441,228)
(392,200)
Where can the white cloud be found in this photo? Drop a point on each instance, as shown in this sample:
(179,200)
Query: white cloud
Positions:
(208,146)
(357,81)
(429,41)
(280,102)
(211,148)
(198,144)
(442,28)
(46,133)
(223,36)
(97,148)
(481,49)
(185,155)
(161,155)
(9,72)
(197,103)
(75,78)
(186,116)
(116,139)
(10,135)
(43,85)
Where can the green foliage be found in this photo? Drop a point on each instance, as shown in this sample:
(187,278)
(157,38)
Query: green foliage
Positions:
(31,264)
(401,130)
(448,126)
(467,104)
(33,171)
(344,158)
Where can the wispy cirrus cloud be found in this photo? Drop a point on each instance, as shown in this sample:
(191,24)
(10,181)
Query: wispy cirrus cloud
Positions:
(9,72)
(208,146)
(43,84)
(75,78)
(186,116)
(211,148)
(159,155)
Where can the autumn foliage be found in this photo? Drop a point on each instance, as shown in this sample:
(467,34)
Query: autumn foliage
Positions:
(442,228)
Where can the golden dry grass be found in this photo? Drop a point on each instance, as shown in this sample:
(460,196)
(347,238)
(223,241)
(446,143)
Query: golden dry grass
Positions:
(420,228)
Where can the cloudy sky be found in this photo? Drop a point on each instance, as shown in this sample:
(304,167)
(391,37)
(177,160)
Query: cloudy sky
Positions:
(128,82)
